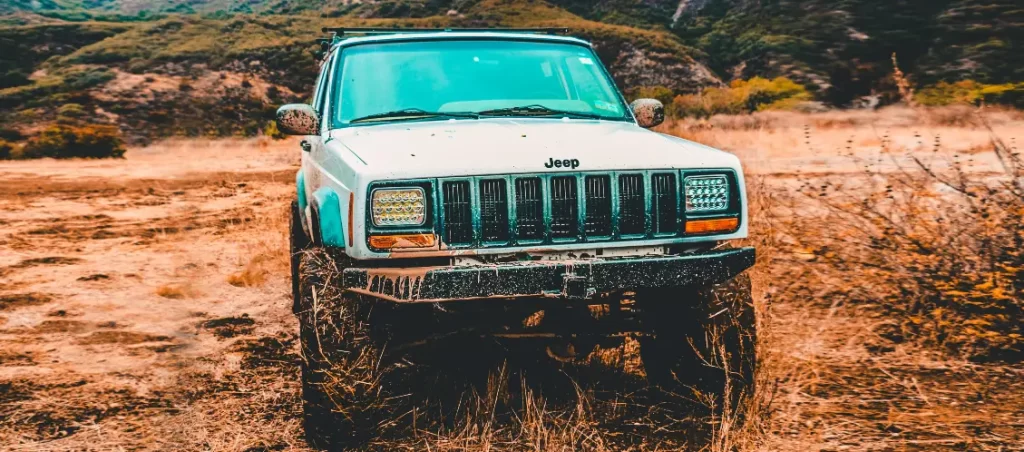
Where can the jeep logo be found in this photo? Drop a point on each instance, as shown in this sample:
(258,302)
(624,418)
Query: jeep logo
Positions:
(552,163)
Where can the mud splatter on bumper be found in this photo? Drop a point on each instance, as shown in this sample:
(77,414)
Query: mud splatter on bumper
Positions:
(574,279)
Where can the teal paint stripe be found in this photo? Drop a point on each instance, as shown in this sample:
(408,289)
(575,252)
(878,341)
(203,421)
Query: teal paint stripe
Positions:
(300,186)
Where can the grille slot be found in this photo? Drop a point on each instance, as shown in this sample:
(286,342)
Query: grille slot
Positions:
(494,210)
(598,218)
(664,203)
(529,209)
(631,204)
(564,207)
(458,216)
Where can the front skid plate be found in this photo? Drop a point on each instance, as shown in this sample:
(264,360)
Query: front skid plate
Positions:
(572,279)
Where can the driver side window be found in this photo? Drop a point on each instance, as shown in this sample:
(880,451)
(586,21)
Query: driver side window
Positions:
(320,96)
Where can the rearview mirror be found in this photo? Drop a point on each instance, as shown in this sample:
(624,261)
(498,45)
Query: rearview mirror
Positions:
(298,119)
(648,112)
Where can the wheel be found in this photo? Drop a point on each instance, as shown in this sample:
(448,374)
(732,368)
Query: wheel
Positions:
(298,242)
(703,339)
(342,397)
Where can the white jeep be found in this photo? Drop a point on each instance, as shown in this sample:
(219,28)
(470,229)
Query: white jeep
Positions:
(495,185)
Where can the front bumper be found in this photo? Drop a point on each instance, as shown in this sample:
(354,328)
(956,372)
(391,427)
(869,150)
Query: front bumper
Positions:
(571,279)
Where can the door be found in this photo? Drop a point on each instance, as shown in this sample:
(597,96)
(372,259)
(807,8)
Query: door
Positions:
(313,153)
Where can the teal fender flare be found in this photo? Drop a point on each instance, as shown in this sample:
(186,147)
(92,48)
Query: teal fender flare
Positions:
(300,186)
(328,211)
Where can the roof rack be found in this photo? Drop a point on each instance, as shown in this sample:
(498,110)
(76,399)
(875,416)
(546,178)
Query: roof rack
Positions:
(385,31)
(338,32)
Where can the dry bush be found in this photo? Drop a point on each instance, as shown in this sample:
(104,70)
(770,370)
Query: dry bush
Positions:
(255,272)
(938,247)
(177,291)
(263,249)
(741,96)
(888,117)
(70,141)
(6,149)
(970,92)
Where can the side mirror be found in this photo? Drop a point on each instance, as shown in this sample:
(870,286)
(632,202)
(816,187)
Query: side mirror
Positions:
(648,112)
(298,119)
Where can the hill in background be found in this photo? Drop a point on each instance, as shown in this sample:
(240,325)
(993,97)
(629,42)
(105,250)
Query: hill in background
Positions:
(220,67)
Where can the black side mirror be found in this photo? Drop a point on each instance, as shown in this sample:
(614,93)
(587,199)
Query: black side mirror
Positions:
(648,112)
(298,119)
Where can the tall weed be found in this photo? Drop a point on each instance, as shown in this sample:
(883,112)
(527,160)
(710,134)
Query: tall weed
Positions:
(936,244)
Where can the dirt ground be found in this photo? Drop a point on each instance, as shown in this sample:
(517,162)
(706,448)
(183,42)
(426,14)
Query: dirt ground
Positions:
(144,304)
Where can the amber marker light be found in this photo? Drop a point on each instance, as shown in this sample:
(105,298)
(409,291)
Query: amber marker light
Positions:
(386,242)
(710,226)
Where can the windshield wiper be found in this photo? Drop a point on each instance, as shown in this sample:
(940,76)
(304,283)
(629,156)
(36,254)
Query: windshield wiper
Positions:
(537,110)
(416,113)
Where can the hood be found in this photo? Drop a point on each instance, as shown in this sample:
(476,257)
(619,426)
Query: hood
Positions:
(516,145)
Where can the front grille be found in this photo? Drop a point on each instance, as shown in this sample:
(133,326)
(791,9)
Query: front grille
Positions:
(664,205)
(458,214)
(508,210)
(598,206)
(564,207)
(494,210)
(632,211)
(529,209)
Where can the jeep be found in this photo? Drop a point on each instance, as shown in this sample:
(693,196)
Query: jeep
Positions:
(495,185)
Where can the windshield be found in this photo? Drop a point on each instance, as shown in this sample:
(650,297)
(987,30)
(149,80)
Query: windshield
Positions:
(500,78)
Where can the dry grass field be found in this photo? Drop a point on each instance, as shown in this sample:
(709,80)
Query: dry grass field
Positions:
(144,302)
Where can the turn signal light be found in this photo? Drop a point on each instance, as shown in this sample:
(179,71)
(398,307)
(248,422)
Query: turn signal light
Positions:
(386,242)
(710,226)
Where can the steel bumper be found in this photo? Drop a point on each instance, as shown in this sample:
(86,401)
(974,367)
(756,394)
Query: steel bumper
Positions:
(575,279)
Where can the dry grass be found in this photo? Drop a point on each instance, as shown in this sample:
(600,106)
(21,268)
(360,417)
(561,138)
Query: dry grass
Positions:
(833,375)
(957,116)
(263,250)
(888,255)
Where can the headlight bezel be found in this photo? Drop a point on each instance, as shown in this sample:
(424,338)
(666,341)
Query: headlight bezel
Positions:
(734,203)
(372,230)
(425,207)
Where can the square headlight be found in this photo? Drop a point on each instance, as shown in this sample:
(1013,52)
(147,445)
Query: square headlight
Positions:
(706,194)
(398,207)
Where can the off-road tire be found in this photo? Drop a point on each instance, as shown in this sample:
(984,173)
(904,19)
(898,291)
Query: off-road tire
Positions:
(340,373)
(298,242)
(691,328)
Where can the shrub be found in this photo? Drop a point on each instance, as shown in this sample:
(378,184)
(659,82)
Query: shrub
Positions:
(271,130)
(10,134)
(67,141)
(85,79)
(6,149)
(971,92)
(70,113)
(14,78)
(742,96)
(663,94)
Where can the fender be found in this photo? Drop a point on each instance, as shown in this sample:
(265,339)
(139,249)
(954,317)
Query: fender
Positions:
(329,211)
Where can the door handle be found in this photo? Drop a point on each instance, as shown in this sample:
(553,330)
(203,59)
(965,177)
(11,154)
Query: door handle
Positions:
(306,146)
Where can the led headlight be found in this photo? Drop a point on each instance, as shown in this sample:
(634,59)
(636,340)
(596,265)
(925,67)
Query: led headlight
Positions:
(398,207)
(706,194)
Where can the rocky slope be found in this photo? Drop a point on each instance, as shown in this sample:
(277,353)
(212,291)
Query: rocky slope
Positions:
(224,74)
(156,68)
